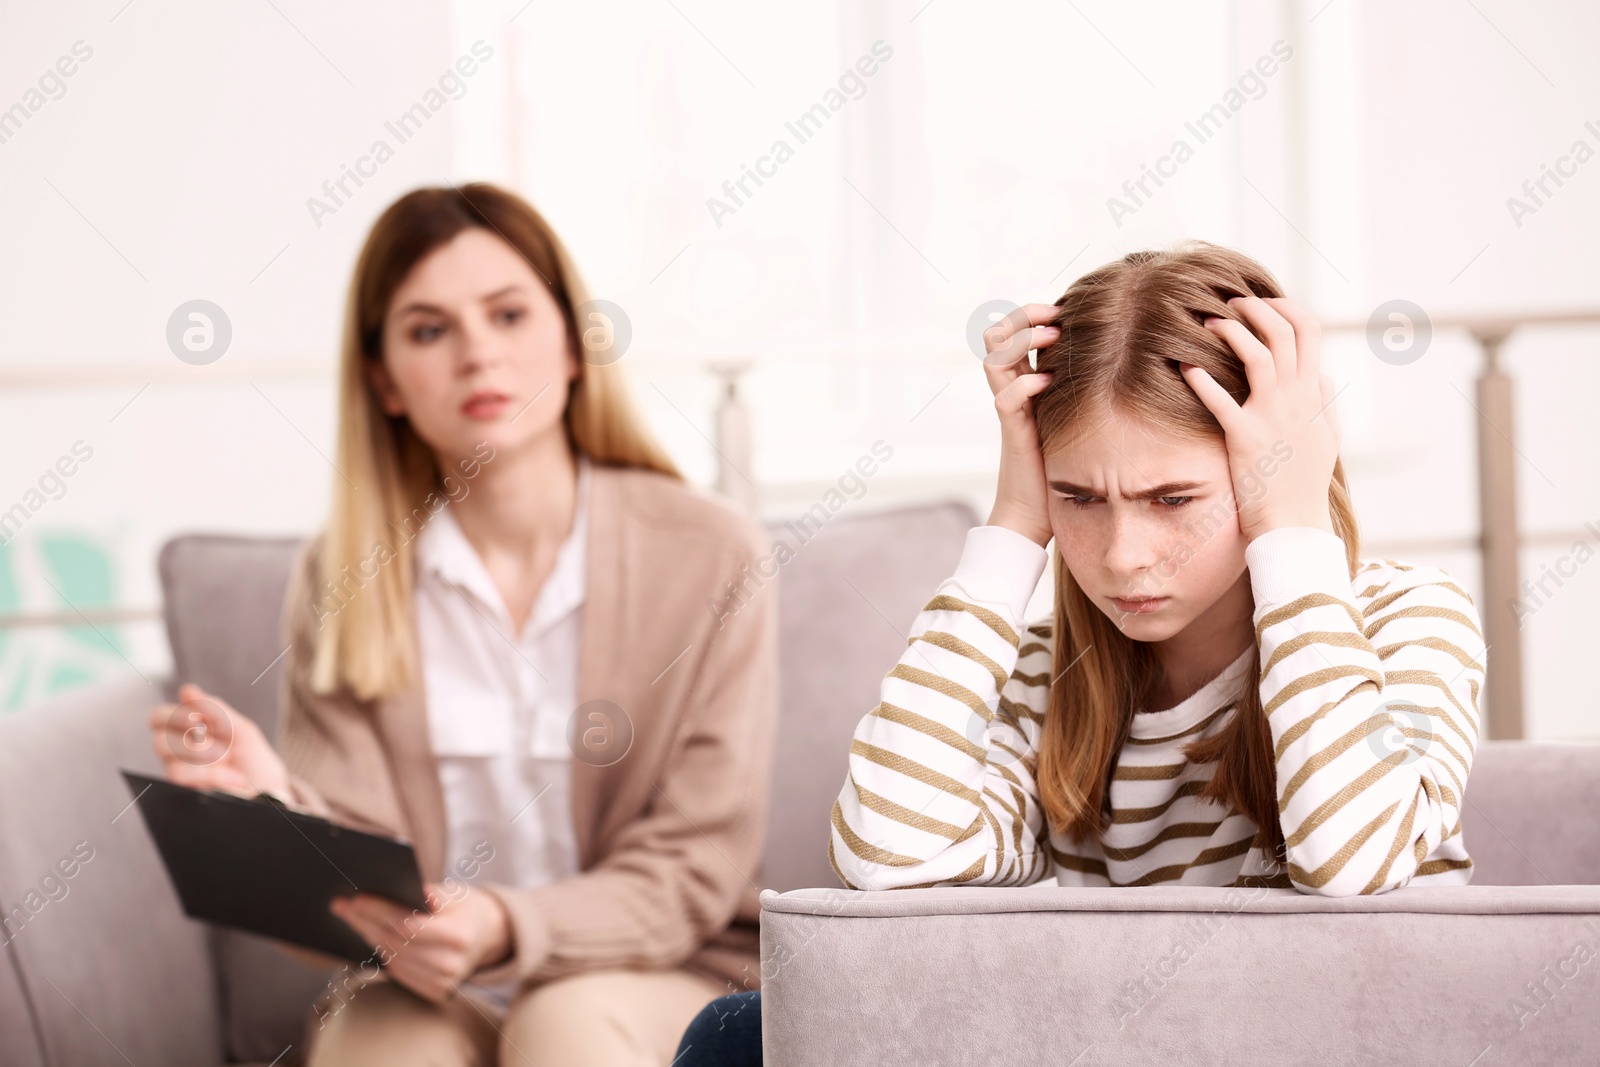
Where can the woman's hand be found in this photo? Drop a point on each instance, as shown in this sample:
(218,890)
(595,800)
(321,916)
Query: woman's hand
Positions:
(205,744)
(1021,501)
(1283,442)
(432,952)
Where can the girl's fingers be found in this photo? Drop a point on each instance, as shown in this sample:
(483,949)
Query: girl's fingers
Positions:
(1002,374)
(1214,396)
(1019,318)
(1011,399)
(1004,349)
(1274,330)
(1020,331)
(1259,366)
(1307,336)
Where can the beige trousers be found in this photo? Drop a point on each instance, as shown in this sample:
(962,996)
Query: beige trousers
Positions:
(609,1018)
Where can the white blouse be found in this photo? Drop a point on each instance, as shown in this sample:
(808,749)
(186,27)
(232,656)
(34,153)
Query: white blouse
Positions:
(499,702)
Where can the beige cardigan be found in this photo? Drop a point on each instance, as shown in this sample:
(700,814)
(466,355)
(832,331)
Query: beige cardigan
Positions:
(669,836)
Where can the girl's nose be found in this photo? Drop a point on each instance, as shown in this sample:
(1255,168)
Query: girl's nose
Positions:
(1130,549)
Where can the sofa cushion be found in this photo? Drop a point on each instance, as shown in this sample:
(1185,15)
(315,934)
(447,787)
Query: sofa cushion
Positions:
(222,598)
(114,971)
(845,599)
(1533,814)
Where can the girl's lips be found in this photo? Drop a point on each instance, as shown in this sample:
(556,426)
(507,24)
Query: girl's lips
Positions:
(485,407)
(1139,607)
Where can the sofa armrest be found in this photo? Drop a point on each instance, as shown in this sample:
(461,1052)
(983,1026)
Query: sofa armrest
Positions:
(1180,975)
(110,964)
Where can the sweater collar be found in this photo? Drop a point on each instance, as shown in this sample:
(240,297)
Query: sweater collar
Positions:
(1221,690)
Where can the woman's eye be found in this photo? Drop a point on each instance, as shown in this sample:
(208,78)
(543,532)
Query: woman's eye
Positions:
(510,315)
(424,334)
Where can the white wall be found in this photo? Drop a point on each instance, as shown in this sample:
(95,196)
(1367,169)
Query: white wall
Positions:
(976,163)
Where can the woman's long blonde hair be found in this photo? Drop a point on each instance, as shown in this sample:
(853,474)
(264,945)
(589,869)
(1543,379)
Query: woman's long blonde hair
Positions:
(390,483)
(1124,327)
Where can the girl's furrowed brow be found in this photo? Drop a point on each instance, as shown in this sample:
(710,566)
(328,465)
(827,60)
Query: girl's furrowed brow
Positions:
(1153,493)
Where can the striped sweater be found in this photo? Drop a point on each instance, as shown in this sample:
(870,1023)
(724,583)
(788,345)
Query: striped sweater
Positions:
(1370,687)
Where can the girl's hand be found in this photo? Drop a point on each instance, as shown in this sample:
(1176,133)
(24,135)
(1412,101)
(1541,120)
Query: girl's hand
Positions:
(1282,444)
(1021,501)
(205,744)
(433,952)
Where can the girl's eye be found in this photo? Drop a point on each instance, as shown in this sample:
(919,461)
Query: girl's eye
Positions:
(1171,503)
(424,334)
(510,315)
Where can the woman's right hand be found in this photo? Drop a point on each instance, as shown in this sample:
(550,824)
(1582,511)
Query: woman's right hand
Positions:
(205,744)
(1021,501)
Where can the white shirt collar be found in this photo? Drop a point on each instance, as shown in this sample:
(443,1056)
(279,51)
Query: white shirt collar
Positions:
(444,551)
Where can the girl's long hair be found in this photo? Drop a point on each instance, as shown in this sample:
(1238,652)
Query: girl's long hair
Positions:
(390,479)
(1124,327)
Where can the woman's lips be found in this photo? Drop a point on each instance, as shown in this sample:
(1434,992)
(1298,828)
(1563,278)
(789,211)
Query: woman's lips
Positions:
(1139,607)
(487,406)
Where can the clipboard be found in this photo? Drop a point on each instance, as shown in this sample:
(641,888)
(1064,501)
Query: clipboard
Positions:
(253,864)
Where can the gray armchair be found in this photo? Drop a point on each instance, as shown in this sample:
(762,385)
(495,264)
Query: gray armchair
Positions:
(1503,971)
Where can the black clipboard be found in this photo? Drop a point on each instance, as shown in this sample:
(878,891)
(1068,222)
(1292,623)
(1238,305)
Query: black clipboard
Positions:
(255,865)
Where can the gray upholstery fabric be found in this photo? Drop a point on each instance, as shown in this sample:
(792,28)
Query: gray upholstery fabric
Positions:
(1533,814)
(1180,975)
(223,601)
(113,970)
(17,1025)
(844,604)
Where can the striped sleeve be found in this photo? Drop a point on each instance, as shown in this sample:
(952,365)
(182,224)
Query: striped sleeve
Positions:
(1371,689)
(940,789)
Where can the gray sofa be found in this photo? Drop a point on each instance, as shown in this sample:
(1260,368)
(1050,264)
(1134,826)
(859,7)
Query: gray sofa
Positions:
(100,966)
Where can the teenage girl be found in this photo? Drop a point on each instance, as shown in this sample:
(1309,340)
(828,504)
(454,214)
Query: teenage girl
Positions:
(501,648)
(1227,694)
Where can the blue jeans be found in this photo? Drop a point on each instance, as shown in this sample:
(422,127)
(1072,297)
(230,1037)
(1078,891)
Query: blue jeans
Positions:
(726,1033)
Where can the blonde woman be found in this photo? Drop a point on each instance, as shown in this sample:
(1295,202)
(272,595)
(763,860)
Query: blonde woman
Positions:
(510,646)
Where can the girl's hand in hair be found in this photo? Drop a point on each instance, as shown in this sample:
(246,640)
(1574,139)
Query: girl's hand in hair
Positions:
(205,744)
(1284,441)
(1021,501)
